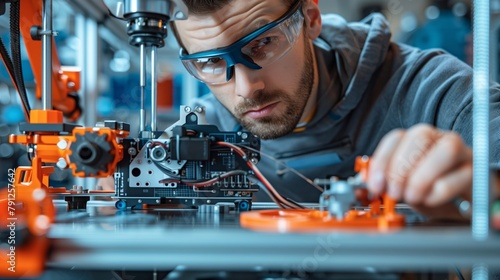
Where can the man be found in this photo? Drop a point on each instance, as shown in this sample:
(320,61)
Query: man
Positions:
(320,91)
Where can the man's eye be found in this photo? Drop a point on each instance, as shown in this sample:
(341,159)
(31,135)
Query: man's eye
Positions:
(211,60)
(262,42)
(259,44)
(258,49)
(211,65)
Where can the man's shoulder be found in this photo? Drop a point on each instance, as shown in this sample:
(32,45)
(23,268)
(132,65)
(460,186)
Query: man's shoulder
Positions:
(431,61)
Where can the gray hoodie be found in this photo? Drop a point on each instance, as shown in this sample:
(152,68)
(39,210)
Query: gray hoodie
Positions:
(368,86)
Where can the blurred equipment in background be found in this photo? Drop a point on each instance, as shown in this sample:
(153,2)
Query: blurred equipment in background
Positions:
(448,27)
(147,23)
(11,155)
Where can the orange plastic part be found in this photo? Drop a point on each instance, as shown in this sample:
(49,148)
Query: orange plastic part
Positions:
(48,151)
(36,211)
(31,185)
(31,191)
(27,205)
(361,166)
(46,116)
(29,258)
(116,150)
(64,80)
(307,220)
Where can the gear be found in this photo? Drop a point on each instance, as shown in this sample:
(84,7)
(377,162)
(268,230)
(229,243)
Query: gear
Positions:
(91,153)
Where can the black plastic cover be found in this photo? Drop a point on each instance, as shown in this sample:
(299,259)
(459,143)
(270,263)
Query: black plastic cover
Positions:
(187,148)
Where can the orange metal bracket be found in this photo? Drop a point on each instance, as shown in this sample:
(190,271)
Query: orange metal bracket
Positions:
(34,208)
(65,80)
(307,220)
(34,212)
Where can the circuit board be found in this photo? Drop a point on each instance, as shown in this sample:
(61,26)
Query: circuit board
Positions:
(188,166)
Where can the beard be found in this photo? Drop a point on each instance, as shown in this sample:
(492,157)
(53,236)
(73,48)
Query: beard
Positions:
(271,127)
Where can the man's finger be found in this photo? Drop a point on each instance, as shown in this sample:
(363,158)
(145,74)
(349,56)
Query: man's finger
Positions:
(447,153)
(380,160)
(414,146)
(455,184)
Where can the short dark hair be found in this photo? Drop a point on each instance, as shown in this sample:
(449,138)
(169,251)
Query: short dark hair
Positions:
(203,7)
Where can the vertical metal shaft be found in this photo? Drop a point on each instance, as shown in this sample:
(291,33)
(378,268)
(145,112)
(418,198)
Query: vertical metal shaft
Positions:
(480,272)
(47,55)
(481,119)
(154,92)
(142,70)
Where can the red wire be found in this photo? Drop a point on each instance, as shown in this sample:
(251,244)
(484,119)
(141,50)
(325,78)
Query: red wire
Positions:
(259,175)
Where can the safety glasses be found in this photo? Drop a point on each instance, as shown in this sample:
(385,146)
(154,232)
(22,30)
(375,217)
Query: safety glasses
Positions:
(256,50)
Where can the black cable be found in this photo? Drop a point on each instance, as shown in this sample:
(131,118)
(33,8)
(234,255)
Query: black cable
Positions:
(10,69)
(255,180)
(295,203)
(458,273)
(166,171)
(281,163)
(6,60)
(15,50)
(276,200)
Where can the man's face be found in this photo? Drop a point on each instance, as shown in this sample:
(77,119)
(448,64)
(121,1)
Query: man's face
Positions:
(268,102)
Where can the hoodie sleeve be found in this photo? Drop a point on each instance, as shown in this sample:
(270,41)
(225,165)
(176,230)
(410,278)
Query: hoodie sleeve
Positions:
(437,89)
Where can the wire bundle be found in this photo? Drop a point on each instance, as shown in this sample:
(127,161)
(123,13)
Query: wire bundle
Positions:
(262,181)
(13,65)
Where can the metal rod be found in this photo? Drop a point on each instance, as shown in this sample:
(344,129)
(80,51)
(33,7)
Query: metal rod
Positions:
(47,55)
(142,70)
(480,272)
(154,92)
(481,121)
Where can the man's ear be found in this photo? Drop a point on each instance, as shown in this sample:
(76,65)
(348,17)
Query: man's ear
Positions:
(312,19)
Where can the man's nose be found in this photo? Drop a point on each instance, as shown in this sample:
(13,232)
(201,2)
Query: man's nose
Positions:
(248,81)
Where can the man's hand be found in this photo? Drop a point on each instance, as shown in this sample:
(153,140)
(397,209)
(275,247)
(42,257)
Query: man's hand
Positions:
(424,167)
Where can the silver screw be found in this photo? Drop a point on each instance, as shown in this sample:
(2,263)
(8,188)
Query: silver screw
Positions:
(132,151)
(61,163)
(62,144)
(38,194)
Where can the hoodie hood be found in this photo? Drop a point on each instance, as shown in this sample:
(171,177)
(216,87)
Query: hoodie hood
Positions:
(348,55)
